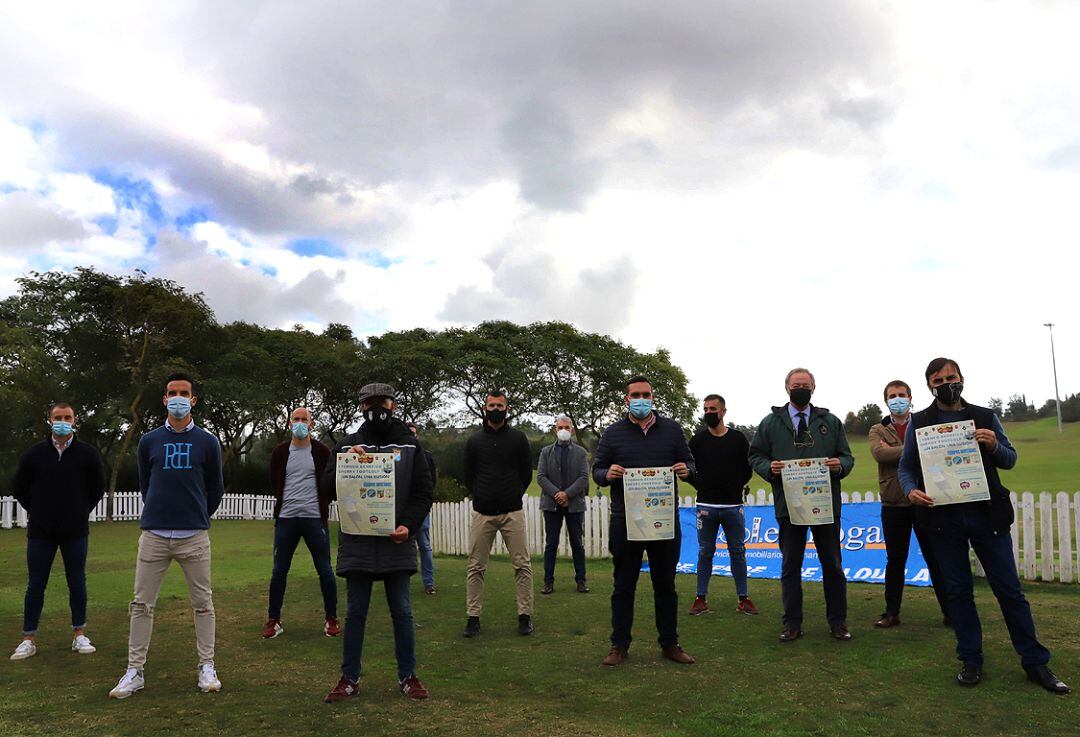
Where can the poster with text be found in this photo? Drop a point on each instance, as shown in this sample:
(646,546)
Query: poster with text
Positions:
(365,492)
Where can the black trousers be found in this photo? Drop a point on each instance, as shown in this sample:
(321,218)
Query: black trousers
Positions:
(897,524)
(793,548)
(627,556)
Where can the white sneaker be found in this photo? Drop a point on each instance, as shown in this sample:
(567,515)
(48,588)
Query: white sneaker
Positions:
(131,682)
(208,680)
(26,649)
(82,645)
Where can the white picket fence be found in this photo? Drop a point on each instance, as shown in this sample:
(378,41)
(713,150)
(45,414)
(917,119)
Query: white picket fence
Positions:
(1045,537)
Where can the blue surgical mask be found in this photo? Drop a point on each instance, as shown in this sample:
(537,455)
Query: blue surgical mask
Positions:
(61,429)
(179,407)
(640,408)
(300,430)
(899,405)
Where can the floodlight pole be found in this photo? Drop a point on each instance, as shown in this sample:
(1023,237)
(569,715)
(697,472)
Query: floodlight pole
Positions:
(1053,360)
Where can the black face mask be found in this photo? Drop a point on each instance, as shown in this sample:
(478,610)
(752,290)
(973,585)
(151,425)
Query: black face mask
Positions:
(495,416)
(712,419)
(378,417)
(949,393)
(800,397)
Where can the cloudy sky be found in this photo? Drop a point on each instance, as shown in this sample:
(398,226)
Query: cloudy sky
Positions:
(852,186)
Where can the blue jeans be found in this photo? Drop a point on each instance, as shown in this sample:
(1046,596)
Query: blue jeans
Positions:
(359,598)
(427,560)
(40,554)
(575,529)
(955,527)
(709,522)
(288,531)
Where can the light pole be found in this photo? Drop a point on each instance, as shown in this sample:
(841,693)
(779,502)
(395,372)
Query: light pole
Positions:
(1053,360)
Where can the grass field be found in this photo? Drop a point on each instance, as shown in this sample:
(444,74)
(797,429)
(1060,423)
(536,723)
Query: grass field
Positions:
(895,682)
(1047,461)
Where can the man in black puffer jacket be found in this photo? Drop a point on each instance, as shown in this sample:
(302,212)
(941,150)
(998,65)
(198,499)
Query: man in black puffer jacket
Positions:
(643,439)
(364,559)
(498,470)
(58,482)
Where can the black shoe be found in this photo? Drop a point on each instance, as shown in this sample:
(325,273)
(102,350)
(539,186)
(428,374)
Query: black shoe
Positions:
(1042,676)
(472,627)
(525,625)
(969,675)
(582,588)
(549,588)
(840,632)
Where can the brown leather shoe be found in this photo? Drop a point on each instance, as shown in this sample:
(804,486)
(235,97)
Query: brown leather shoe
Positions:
(617,655)
(840,632)
(887,620)
(549,588)
(582,588)
(677,655)
(790,634)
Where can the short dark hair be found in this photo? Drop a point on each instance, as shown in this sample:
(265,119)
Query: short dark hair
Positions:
(715,397)
(637,380)
(181,376)
(497,393)
(895,382)
(59,405)
(939,363)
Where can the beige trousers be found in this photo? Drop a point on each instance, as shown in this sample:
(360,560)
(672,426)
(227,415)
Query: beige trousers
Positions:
(155,555)
(481,537)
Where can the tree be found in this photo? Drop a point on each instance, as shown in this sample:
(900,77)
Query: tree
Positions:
(859,423)
(109,340)
(996,406)
(1018,409)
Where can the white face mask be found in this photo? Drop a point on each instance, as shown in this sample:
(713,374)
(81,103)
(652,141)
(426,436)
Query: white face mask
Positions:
(563,436)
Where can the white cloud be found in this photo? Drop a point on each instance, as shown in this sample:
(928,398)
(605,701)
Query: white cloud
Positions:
(850,186)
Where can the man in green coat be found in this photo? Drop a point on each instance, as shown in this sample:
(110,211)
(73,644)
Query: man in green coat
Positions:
(800,430)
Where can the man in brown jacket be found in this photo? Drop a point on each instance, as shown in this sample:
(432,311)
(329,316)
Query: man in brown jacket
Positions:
(897,513)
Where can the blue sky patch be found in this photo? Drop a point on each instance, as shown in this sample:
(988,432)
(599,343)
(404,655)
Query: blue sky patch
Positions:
(132,194)
(107,223)
(315,247)
(191,216)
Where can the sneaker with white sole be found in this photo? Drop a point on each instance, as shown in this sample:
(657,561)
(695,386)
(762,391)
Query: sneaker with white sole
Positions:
(208,680)
(82,645)
(131,682)
(26,649)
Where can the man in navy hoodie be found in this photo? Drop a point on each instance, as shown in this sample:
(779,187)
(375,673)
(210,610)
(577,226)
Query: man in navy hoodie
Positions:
(642,439)
(181,485)
(58,482)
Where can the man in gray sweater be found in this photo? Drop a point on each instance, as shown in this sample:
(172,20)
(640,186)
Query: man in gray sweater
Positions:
(563,476)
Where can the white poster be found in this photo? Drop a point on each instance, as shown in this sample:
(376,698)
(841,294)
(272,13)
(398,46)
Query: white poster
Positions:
(649,496)
(808,491)
(951,463)
(365,492)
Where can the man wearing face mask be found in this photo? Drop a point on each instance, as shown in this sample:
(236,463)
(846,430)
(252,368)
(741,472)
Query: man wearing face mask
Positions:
(181,486)
(365,559)
(722,473)
(301,510)
(800,430)
(563,475)
(898,518)
(498,470)
(58,482)
(643,439)
(955,529)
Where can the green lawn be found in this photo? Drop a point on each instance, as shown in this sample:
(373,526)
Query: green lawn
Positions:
(897,682)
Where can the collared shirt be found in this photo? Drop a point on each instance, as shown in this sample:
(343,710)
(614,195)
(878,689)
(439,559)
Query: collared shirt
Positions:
(645,425)
(178,534)
(794,413)
(61,447)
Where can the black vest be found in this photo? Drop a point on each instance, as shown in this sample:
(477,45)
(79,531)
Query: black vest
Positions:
(1000,505)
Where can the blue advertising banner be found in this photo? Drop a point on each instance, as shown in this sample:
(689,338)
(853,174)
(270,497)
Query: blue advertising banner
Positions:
(861,540)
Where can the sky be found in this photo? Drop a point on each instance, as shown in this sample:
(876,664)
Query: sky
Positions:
(854,187)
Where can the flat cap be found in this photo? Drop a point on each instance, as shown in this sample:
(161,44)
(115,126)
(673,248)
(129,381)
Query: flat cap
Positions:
(370,391)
